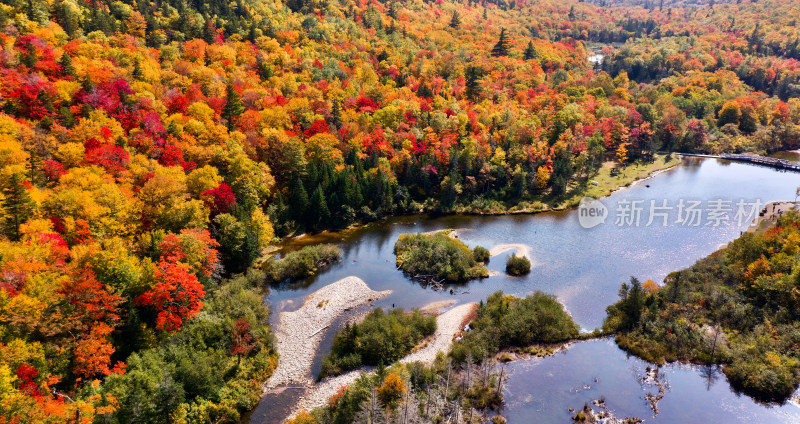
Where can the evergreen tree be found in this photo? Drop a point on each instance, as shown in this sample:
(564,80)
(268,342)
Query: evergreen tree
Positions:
(67,18)
(501,48)
(455,20)
(17,205)
(530,52)
(233,106)
(392,10)
(298,199)
(472,78)
(321,215)
(67,69)
(137,70)
(336,114)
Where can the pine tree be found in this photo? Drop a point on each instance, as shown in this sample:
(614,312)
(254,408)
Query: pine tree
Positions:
(392,10)
(321,215)
(137,70)
(298,199)
(233,106)
(17,205)
(472,77)
(67,69)
(336,114)
(501,48)
(485,14)
(530,52)
(455,20)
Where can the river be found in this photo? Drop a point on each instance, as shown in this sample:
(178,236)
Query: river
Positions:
(583,267)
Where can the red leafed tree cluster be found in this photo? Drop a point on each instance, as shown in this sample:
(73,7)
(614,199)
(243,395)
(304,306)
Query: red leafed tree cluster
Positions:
(176,296)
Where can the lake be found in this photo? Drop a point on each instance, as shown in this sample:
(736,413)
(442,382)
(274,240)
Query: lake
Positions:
(583,267)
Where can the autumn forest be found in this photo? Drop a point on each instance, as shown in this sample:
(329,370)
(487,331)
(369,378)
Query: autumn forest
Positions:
(150,151)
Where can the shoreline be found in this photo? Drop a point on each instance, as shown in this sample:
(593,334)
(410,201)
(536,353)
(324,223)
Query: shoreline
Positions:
(300,332)
(331,236)
(449,325)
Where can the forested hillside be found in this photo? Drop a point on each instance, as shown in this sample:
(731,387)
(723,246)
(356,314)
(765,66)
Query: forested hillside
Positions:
(149,151)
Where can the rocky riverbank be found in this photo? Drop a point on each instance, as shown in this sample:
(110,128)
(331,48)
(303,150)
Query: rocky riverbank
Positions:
(448,326)
(299,333)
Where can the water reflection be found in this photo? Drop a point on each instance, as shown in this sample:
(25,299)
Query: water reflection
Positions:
(584,268)
(545,388)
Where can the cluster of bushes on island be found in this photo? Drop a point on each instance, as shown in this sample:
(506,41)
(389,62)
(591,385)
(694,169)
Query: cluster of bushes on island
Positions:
(518,265)
(463,381)
(738,307)
(506,321)
(382,338)
(438,256)
(302,263)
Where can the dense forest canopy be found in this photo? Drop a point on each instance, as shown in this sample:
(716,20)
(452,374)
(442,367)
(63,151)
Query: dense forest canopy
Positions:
(149,151)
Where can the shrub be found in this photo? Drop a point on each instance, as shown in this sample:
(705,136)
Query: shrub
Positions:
(301,264)
(518,265)
(437,256)
(303,417)
(481,254)
(391,390)
(381,338)
(506,321)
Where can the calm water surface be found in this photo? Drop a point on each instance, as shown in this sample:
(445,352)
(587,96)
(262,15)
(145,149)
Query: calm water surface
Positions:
(545,388)
(582,267)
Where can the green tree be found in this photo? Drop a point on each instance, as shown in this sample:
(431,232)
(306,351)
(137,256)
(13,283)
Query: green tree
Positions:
(530,52)
(472,83)
(322,215)
(748,121)
(67,69)
(298,199)
(238,244)
(17,205)
(233,106)
(501,48)
(729,114)
(455,20)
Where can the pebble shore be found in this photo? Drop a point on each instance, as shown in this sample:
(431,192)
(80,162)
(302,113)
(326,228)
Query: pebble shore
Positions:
(300,332)
(448,325)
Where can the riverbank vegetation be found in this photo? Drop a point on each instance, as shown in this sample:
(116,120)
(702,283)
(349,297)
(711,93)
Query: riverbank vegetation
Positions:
(438,257)
(209,371)
(416,392)
(506,321)
(518,265)
(738,307)
(381,339)
(302,263)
